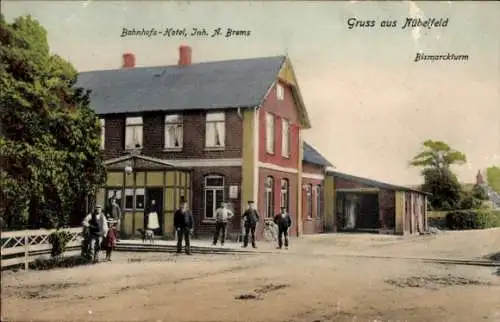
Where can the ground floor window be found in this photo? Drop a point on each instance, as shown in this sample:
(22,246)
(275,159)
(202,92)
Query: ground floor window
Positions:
(214,194)
(129,199)
(113,193)
(269,197)
(318,201)
(285,194)
(139,198)
(309,201)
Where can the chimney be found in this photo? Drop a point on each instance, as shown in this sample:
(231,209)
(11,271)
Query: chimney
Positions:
(128,60)
(184,55)
(479,178)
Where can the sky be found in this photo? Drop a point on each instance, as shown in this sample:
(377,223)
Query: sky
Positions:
(371,106)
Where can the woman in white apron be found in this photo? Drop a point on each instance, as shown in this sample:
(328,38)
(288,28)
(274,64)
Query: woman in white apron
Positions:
(153,222)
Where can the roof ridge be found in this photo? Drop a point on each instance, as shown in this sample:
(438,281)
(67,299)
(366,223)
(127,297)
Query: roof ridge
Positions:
(184,67)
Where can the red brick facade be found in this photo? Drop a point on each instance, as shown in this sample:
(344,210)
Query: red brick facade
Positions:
(232,177)
(312,216)
(279,109)
(193,136)
(277,176)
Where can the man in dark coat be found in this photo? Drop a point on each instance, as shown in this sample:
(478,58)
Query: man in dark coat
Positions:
(283,221)
(183,224)
(250,219)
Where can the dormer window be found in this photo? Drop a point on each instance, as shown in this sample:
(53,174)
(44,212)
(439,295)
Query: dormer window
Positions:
(280,92)
(133,133)
(215,130)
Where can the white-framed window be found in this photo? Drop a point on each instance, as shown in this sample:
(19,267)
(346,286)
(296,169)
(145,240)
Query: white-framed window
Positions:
(114,193)
(285,194)
(103,133)
(133,133)
(280,92)
(318,201)
(134,199)
(285,138)
(269,197)
(174,131)
(269,133)
(215,133)
(214,194)
(309,201)
(129,199)
(139,198)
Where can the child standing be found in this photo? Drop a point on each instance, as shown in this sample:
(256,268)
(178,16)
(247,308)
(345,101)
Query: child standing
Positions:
(111,241)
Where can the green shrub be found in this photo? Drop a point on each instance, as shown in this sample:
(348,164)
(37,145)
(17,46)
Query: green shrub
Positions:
(59,239)
(472,219)
(488,218)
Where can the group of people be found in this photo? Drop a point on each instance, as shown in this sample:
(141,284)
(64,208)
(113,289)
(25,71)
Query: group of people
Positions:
(100,231)
(183,223)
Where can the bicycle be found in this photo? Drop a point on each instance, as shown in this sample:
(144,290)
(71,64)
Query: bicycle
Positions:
(270,231)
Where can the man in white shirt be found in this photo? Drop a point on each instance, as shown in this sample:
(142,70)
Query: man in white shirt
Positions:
(222,217)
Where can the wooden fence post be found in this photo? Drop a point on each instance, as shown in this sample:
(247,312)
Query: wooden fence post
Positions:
(26,251)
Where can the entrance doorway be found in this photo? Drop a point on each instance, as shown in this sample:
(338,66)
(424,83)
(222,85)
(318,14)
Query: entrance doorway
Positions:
(155,194)
(357,211)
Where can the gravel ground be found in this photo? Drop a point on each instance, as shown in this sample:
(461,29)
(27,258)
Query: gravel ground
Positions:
(320,278)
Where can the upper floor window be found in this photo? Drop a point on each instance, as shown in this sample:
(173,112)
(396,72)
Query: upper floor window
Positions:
(133,133)
(285,138)
(269,133)
(269,197)
(215,134)
(214,194)
(103,133)
(174,131)
(280,92)
(285,194)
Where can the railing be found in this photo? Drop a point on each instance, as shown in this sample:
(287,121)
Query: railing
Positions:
(25,246)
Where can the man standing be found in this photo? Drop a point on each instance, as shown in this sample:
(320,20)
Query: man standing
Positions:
(250,219)
(222,216)
(97,226)
(284,221)
(183,224)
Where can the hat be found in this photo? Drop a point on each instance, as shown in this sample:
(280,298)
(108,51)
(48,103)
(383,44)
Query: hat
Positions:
(98,206)
(283,208)
(250,201)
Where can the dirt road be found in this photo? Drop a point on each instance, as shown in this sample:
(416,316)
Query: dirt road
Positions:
(313,281)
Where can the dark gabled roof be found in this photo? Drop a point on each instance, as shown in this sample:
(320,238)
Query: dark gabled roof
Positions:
(311,155)
(211,85)
(372,183)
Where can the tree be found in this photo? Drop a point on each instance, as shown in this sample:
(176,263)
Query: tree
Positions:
(436,160)
(493,177)
(50,144)
(479,193)
(444,188)
(438,155)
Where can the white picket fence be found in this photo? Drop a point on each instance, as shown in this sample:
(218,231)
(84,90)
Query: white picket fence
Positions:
(29,245)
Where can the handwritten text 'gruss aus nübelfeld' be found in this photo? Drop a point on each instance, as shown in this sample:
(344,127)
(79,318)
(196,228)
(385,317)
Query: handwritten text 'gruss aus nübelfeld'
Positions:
(407,23)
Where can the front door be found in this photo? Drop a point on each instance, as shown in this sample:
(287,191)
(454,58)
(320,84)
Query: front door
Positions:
(155,194)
